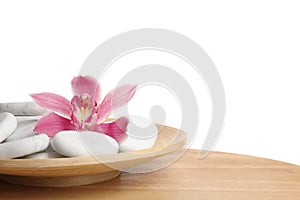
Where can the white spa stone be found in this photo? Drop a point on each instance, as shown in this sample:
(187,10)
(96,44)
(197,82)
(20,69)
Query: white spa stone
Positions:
(25,146)
(28,118)
(8,124)
(24,129)
(142,134)
(84,143)
(23,108)
(44,155)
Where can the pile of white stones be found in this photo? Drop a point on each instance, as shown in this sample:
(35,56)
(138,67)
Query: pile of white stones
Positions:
(18,140)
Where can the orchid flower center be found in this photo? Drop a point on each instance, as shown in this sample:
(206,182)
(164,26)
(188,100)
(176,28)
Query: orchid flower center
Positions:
(83,111)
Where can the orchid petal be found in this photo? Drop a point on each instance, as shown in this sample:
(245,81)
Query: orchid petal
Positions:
(115,129)
(115,99)
(83,112)
(53,102)
(86,85)
(52,123)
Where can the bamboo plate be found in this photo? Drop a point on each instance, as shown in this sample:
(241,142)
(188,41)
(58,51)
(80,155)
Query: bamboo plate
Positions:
(66,172)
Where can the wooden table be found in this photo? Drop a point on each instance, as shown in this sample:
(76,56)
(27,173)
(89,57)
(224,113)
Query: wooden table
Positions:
(218,176)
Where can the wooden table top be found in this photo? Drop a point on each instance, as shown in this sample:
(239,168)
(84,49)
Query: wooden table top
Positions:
(218,176)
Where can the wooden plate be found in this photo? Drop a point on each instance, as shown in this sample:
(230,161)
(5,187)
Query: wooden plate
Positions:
(64,172)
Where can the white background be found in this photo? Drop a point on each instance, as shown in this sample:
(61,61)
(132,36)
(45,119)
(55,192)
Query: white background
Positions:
(255,46)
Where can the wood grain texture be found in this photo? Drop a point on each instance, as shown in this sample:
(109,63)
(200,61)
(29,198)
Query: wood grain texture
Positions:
(218,176)
(60,181)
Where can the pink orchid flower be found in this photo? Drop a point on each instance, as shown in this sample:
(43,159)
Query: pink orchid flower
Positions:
(84,112)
